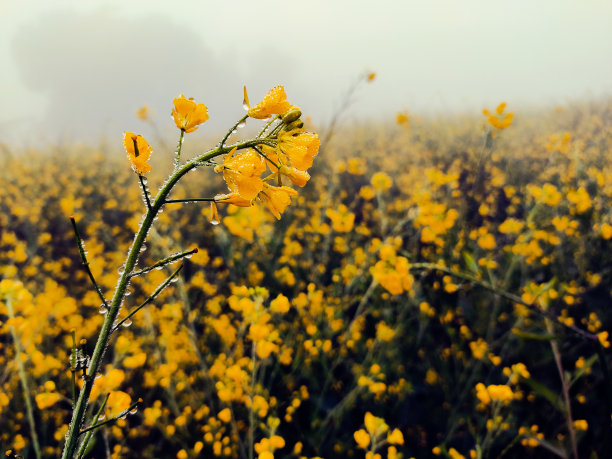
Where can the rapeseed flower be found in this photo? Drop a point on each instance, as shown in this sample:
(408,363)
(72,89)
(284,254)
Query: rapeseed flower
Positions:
(138,151)
(187,114)
(274,103)
(299,147)
(242,173)
(277,198)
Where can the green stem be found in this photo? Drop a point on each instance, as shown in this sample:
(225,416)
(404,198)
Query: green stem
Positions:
(178,152)
(149,299)
(265,128)
(79,242)
(73,361)
(564,389)
(90,433)
(165,261)
(144,190)
(232,129)
(24,381)
(176,201)
(80,407)
(251,411)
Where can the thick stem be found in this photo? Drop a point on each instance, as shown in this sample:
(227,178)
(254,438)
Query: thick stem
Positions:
(78,413)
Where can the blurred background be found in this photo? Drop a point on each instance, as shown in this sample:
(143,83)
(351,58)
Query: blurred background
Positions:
(78,70)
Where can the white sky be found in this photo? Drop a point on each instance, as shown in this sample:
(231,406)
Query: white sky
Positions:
(79,68)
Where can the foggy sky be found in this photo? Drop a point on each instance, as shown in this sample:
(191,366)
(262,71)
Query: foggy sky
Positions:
(76,70)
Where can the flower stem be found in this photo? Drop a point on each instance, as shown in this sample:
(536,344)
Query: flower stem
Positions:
(24,380)
(79,242)
(178,150)
(232,129)
(80,408)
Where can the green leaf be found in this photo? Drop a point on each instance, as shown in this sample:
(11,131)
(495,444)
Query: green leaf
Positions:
(533,336)
(545,392)
(470,263)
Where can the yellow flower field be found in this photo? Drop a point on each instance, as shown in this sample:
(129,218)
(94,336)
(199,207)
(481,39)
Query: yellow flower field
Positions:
(426,287)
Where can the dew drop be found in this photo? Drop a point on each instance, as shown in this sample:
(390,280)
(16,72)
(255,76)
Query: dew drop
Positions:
(214,222)
(102,417)
(123,416)
(174,280)
(127,323)
(245,106)
(102,309)
(98,376)
(159,268)
(121,270)
(134,411)
(144,180)
(234,131)
(241,124)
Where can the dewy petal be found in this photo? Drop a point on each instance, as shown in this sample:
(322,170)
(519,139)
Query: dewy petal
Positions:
(277,198)
(187,114)
(298,177)
(301,148)
(233,198)
(138,151)
(274,103)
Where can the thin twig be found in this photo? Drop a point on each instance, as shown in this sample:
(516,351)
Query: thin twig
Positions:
(85,262)
(149,299)
(507,295)
(174,201)
(23,379)
(94,424)
(233,128)
(144,190)
(164,262)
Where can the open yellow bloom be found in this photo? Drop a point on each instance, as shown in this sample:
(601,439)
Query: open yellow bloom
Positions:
(138,151)
(300,147)
(277,198)
(187,114)
(274,103)
(242,173)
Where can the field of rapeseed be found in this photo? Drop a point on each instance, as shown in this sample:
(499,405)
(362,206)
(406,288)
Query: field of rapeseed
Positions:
(436,288)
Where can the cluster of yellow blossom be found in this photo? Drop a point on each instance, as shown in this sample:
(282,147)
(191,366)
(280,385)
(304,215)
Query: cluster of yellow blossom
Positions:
(375,435)
(496,119)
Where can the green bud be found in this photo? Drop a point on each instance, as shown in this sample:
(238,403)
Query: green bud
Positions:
(292,115)
(297,124)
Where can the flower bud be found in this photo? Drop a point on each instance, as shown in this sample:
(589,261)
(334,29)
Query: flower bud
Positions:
(297,124)
(292,115)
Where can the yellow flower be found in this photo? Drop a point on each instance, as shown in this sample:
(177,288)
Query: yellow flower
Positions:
(396,437)
(138,151)
(375,425)
(274,103)
(143,113)
(233,198)
(225,415)
(118,401)
(277,198)
(381,181)
(298,177)
(300,147)
(362,438)
(242,173)
(187,114)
